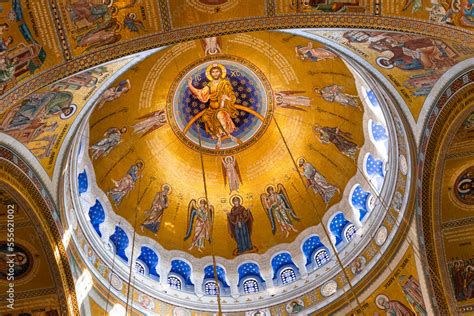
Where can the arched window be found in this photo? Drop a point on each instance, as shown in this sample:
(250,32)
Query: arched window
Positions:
(174,283)
(350,232)
(139,267)
(321,257)
(250,286)
(288,275)
(210,288)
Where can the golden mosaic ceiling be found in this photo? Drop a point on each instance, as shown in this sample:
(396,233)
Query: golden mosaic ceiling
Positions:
(174,150)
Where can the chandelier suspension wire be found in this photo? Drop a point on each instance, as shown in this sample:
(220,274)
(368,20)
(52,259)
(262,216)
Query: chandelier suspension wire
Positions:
(326,232)
(133,249)
(214,265)
(312,201)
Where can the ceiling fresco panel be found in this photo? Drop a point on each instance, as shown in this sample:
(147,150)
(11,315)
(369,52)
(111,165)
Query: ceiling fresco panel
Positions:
(264,152)
(29,44)
(185,13)
(94,24)
(323,7)
(42,120)
(449,12)
(412,63)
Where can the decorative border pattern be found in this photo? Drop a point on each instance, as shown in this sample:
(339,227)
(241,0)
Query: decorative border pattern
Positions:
(216,29)
(24,175)
(437,119)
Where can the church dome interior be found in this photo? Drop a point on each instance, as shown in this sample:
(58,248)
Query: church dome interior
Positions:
(233,157)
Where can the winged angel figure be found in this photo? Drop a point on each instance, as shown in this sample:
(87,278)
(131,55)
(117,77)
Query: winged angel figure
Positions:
(201,216)
(277,206)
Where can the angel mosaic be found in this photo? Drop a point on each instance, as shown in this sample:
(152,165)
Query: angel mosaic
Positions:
(313,54)
(126,184)
(240,224)
(149,122)
(278,208)
(212,45)
(342,140)
(201,217)
(291,100)
(317,181)
(230,169)
(112,137)
(155,213)
(113,93)
(333,93)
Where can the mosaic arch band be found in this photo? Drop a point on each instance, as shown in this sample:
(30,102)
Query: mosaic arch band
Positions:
(220,106)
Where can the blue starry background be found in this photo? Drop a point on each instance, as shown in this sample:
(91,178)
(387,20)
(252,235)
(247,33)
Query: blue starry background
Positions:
(247,91)
(183,269)
(337,227)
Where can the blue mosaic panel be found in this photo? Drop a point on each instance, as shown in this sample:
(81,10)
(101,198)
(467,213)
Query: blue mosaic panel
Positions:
(209,274)
(372,98)
(374,166)
(309,246)
(183,269)
(281,260)
(97,216)
(247,269)
(82,183)
(120,240)
(150,258)
(379,132)
(337,227)
(359,200)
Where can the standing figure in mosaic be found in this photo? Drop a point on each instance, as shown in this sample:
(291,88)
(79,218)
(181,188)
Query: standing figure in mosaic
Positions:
(333,93)
(412,290)
(125,184)
(201,216)
(291,100)
(278,207)
(113,93)
(392,307)
(313,54)
(240,224)
(149,122)
(342,140)
(158,206)
(231,172)
(317,181)
(112,137)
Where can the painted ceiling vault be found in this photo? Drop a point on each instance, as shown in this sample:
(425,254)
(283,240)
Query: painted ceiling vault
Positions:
(190,156)
(267,152)
(238,157)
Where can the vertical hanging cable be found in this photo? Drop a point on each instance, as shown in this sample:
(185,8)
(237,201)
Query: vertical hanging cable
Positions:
(133,248)
(333,247)
(214,266)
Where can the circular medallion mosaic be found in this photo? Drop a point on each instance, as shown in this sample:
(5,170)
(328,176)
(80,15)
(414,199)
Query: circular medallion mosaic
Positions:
(464,186)
(15,261)
(220,106)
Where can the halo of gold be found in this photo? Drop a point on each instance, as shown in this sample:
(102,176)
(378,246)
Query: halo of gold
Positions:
(377,300)
(268,186)
(202,199)
(299,159)
(236,196)
(208,71)
(170,189)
